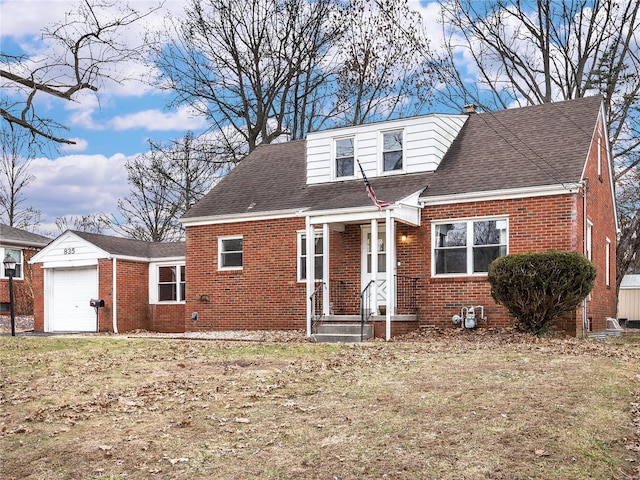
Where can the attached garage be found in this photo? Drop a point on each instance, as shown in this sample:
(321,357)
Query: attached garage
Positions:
(120,274)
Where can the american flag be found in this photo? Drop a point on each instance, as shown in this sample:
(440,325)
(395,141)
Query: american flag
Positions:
(370,192)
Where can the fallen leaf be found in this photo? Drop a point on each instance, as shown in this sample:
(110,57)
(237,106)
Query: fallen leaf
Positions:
(541,452)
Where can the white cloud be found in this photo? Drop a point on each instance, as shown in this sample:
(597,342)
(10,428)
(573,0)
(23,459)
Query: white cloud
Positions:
(77,185)
(182,119)
(80,145)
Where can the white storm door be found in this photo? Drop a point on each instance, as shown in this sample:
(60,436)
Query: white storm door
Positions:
(380,250)
(72,290)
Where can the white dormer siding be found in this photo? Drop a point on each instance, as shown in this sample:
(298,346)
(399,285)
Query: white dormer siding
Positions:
(425,140)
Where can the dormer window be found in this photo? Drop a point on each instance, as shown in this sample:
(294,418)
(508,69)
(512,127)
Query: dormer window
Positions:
(344,157)
(392,151)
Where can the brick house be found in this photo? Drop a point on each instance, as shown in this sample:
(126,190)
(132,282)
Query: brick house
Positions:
(285,240)
(22,246)
(141,283)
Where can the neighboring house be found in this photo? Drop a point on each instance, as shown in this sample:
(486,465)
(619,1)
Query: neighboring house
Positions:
(141,283)
(290,236)
(629,299)
(22,245)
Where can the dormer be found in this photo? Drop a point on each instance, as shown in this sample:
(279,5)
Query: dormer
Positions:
(394,147)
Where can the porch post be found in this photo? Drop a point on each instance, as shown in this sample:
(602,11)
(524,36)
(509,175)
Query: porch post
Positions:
(310,271)
(326,301)
(390,270)
(374,264)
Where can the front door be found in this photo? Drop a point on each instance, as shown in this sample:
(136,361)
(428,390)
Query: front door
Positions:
(381,251)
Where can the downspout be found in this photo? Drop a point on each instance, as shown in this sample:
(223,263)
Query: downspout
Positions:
(114,292)
(585,182)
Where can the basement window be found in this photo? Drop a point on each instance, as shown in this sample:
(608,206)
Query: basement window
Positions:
(467,247)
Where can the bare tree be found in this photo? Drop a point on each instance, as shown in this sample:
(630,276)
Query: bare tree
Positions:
(503,52)
(15,177)
(251,66)
(93,223)
(165,182)
(89,49)
(383,70)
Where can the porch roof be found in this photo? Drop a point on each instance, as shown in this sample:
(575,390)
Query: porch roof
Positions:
(517,148)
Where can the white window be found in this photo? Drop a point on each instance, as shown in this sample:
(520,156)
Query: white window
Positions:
(589,237)
(171,283)
(607,263)
(344,157)
(230,253)
(317,254)
(392,151)
(17,256)
(467,247)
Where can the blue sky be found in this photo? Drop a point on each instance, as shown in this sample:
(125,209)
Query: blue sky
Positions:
(89,177)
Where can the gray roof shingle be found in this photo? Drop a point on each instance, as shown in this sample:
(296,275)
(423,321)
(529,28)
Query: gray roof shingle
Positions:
(134,248)
(516,148)
(16,236)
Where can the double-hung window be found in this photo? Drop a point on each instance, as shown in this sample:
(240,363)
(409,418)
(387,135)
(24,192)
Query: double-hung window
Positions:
(392,151)
(467,247)
(17,256)
(171,283)
(317,256)
(230,253)
(344,157)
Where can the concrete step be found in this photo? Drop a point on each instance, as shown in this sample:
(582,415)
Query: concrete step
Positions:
(344,328)
(336,338)
(342,333)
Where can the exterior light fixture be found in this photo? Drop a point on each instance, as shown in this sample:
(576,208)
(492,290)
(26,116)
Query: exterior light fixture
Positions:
(10,270)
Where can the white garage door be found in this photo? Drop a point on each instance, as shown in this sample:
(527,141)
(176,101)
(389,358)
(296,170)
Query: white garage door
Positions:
(72,290)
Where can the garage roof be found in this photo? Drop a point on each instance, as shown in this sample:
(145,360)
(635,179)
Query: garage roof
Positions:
(134,248)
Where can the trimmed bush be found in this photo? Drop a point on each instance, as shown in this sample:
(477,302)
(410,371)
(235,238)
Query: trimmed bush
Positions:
(536,288)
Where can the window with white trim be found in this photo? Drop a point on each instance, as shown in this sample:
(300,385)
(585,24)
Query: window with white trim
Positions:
(230,253)
(344,157)
(467,247)
(17,256)
(171,283)
(589,238)
(392,151)
(317,254)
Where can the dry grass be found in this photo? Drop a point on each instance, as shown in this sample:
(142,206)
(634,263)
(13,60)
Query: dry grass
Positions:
(438,407)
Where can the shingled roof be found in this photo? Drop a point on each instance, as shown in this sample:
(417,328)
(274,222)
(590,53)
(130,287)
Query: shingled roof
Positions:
(517,148)
(17,236)
(134,248)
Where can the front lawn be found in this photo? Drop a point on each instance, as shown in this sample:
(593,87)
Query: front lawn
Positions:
(455,406)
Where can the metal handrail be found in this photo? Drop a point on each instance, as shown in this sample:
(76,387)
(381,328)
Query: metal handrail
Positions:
(316,304)
(365,306)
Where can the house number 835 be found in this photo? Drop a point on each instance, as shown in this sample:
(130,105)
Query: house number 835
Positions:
(69,251)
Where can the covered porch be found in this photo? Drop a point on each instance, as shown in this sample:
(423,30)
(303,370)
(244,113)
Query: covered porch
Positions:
(354,274)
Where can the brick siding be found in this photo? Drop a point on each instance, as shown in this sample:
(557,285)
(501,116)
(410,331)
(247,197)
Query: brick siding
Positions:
(266,295)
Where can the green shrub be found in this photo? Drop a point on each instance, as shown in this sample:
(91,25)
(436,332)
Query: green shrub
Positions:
(536,288)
